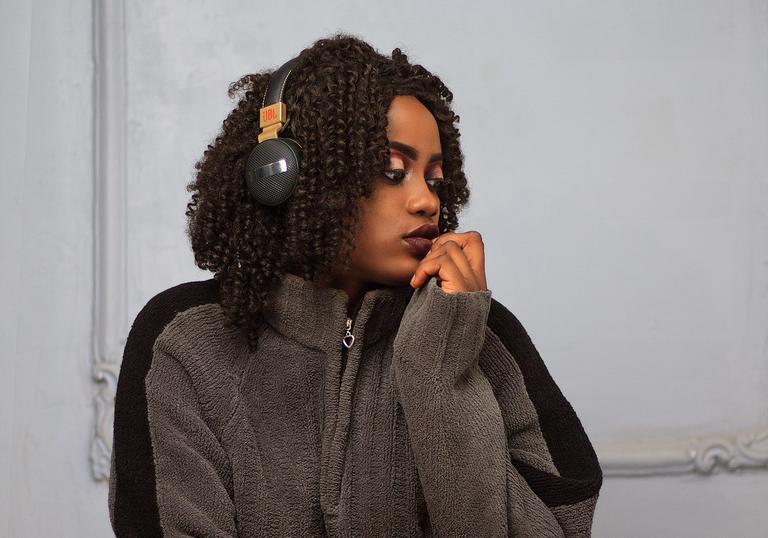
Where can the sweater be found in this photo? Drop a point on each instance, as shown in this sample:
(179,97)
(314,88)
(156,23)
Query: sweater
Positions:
(426,413)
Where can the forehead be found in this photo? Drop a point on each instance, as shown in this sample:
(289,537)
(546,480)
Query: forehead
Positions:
(409,121)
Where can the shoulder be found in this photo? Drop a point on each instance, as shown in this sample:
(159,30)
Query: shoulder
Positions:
(507,341)
(151,321)
(132,480)
(509,351)
(506,326)
(186,322)
(507,332)
(163,307)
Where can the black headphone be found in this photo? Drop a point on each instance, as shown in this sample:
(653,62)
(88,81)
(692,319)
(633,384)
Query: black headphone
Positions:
(272,170)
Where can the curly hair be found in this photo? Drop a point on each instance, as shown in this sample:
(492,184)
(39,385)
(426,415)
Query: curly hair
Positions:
(337,97)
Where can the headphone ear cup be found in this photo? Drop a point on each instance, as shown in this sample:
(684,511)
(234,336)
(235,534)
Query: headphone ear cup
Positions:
(272,170)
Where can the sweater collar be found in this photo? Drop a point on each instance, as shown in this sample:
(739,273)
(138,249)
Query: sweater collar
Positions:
(317,317)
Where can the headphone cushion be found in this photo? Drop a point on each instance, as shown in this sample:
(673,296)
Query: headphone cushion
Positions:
(273,185)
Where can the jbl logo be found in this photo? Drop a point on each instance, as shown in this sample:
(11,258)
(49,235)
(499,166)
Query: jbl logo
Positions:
(272,114)
(268,114)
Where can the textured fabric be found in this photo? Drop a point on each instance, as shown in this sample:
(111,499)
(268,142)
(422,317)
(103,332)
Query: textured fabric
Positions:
(440,420)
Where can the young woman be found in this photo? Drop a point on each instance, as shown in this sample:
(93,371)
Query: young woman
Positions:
(346,371)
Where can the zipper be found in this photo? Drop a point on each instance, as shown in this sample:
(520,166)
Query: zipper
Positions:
(346,342)
(349,338)
(330,481)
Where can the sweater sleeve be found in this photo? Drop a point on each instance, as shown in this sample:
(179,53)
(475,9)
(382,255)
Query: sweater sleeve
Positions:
(187,474)
(459,431)
(547,443)
(193,471)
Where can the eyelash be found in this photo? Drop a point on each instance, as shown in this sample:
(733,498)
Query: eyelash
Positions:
(440,180)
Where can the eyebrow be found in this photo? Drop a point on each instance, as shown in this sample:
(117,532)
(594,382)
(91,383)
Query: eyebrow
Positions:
(411,152)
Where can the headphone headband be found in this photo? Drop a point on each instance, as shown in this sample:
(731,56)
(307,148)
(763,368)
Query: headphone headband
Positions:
(273,115)
(274,90)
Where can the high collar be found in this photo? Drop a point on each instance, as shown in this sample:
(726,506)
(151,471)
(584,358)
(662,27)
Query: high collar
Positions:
(317,316)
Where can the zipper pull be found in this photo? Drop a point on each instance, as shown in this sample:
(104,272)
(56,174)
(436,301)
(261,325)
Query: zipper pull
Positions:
(349,338)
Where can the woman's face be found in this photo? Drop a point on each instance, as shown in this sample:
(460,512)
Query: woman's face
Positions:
(400,201)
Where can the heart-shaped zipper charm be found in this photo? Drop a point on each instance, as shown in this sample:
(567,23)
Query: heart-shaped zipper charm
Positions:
(348,338)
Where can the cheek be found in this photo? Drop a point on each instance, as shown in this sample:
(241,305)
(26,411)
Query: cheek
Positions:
(378,230)
(372,237)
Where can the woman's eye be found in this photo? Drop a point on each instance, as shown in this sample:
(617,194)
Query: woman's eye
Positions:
(395,174)
(438,181)
(398,174)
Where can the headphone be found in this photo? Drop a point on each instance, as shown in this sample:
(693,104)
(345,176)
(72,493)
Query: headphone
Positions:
(272,169)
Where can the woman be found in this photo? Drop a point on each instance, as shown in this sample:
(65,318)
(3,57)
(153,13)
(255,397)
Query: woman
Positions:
(333,377)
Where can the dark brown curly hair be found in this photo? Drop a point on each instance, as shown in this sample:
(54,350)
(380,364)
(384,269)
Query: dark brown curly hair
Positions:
(337,98)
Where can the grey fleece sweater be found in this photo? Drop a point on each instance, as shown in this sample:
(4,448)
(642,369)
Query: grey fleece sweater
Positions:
(439,420)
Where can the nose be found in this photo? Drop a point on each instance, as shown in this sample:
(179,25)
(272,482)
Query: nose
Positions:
(422,199)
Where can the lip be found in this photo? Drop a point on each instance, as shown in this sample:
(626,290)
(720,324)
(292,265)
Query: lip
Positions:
(418,245)
(428,231)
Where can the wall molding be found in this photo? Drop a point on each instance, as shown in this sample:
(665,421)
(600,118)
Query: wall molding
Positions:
(700,454)
(704,455)
(109,212)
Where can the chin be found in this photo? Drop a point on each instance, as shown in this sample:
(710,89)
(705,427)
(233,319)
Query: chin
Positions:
(395,274)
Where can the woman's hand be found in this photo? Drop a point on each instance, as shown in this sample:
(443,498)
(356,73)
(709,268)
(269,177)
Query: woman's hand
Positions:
(457,260)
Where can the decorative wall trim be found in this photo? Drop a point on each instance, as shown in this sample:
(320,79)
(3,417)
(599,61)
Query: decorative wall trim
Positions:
(109,271)
(704,455)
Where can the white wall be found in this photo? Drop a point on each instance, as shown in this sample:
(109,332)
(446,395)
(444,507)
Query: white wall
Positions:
(46,235)
(616,154)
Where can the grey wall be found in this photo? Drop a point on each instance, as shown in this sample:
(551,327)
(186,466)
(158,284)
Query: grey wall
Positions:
(46,275)
(616,154)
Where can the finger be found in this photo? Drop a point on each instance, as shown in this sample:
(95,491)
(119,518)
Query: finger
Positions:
(459,257)
(419,276)
(471,243)
(443,267)
(455,252)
